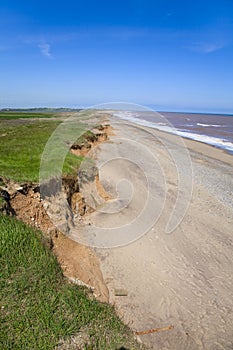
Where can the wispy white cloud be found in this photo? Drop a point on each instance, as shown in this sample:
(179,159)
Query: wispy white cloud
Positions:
(45,49)
(205,47)
(204,41)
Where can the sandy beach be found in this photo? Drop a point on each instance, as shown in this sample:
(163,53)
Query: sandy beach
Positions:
(182,278)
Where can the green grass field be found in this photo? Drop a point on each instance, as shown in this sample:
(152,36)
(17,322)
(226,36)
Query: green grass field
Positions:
(18,115)
(21,147)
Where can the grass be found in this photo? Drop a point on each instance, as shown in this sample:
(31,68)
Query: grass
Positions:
(2,202)
(39,307)
(22,145)
(17,115)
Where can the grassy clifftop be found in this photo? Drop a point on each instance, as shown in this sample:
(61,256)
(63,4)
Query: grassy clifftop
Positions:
(39,307)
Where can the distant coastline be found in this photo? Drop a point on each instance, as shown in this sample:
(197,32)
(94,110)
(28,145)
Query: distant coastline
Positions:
(215,129)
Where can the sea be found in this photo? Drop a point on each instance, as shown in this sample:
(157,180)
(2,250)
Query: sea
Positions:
(212,129)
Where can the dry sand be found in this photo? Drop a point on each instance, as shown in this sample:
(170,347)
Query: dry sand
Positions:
(184,278)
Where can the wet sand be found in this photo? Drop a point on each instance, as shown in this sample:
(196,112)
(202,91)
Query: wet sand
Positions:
(184,278)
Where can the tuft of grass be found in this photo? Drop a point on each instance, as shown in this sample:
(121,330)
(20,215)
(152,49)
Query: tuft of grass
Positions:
(39,307)
(1,202)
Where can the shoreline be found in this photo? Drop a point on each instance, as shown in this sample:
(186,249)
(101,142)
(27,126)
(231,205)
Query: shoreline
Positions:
(221,154)
(204,149)
(171,126)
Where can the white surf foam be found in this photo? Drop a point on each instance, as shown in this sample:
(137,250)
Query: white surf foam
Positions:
(213,141)
(214,125)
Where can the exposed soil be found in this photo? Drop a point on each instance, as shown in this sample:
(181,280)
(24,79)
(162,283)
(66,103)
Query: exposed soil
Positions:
(79,263)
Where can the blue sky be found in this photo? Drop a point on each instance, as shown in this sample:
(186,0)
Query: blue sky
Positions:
(172,54)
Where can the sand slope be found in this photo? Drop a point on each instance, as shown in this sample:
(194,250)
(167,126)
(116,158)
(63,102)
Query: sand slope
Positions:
(184,278)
